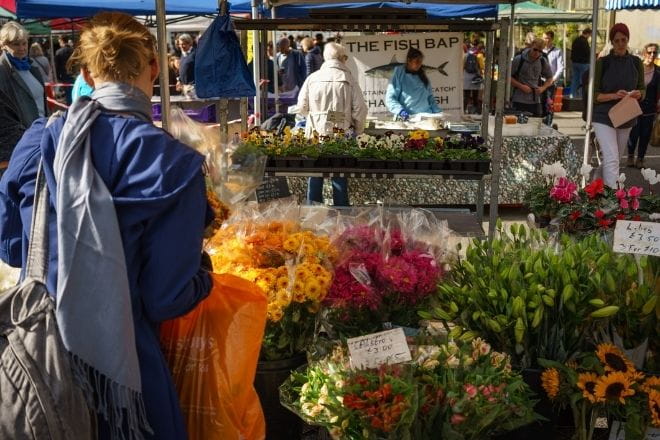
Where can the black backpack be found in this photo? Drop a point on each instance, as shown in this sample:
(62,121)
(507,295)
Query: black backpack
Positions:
(471,64)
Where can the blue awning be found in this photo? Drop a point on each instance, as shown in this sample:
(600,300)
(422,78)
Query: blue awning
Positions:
(433,10)
(632,4)
(87,8)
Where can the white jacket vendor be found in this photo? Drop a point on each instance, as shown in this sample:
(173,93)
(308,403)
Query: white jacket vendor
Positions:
(330,97)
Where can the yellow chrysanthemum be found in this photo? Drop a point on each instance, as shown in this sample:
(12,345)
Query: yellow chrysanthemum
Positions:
(299,297)
(654,408)
(282,282)
(587,383)
(324,281)
(651,384)
(275,315)
(614,387)
(291,244)
(313,289)
(550,382)
(614,360)
(298,287)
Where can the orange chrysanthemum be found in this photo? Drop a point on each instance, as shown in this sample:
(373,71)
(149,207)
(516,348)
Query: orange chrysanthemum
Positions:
(550,382)
(614,387)
(587,383)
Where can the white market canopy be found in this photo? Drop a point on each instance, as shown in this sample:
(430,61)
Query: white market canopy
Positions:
(530,12)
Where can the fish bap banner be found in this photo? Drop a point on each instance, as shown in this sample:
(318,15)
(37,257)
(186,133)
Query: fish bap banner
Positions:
(373,58)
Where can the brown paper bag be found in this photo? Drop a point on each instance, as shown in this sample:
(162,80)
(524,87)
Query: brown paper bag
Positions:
(625,110)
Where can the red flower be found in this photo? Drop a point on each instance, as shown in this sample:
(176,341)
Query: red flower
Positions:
(620,216)
(594,188)
(604,223)
(636,218)
(599,213)
(575,215)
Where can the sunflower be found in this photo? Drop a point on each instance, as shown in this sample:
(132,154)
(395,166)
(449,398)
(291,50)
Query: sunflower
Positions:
(651,384)
(587,383)
(614,360)
(614,387)
(654,408)
(550,382)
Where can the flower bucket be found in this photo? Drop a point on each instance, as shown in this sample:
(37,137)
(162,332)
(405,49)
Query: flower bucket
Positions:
(559,424)
(281,424)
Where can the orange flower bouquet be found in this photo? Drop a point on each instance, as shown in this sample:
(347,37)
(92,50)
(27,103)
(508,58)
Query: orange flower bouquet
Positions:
(604,383)
(291,265)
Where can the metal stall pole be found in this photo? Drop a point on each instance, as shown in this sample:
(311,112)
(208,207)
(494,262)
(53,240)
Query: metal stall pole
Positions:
(503,62)
(511,52)
(590,92)
(244,101)
(256,66)
(276,67)
(221,111)
(563,37)
(52,58)
(161,35)
(263,35)
(488,84)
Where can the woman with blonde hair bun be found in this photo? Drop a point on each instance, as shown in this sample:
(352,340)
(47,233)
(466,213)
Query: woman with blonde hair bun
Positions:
(128,212)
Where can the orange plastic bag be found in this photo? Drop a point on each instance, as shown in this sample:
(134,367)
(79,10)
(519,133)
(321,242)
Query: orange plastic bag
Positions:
(212,353)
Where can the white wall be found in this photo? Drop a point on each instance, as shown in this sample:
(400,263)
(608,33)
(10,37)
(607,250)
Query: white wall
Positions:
(644,27)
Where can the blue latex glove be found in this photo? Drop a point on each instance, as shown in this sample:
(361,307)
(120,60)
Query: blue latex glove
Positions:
(404,115)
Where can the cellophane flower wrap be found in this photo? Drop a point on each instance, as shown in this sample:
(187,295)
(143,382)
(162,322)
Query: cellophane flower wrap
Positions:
(388,265)
(232,171)
(292,265)
(461,391)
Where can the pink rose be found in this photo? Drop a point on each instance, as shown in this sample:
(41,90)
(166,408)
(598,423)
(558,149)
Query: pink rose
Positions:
(620,194)
(623,203)
(635,204)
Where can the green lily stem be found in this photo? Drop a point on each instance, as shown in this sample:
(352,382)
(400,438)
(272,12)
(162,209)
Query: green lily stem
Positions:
(583,416)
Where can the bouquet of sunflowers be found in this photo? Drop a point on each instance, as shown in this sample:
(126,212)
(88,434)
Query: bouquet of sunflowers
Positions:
(291,265)
(604,383)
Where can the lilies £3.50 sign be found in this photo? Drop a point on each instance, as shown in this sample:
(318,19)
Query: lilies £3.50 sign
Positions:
(373,59)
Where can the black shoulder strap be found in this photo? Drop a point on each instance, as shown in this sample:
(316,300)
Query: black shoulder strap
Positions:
(520,64)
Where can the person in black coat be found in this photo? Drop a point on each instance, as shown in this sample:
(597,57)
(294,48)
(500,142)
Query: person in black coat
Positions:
(641,133)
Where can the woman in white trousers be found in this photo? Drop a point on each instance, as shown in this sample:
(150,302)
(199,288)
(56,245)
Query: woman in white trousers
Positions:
(617,75)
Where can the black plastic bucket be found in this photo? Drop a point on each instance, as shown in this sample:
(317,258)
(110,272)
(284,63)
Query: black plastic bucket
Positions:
(281,424)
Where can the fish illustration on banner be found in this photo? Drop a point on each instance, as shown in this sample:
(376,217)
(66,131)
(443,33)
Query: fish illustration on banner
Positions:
(386,70)
(373,58)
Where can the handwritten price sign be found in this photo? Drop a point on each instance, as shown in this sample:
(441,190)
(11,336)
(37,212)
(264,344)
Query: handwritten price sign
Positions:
(376,349)
(637,238)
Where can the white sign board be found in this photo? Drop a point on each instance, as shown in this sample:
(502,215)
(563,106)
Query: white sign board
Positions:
(376,349)
(637,238)
(618,432)
(373,58)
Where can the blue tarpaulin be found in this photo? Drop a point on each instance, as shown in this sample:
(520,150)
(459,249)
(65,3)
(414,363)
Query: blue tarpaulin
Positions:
(632,4)
(433,10)
(87,8)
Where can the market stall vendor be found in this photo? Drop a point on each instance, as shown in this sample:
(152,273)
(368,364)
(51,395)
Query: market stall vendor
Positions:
(409,91)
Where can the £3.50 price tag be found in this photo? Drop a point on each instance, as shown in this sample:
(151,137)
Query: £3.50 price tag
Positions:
(637,237)
(376,349)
